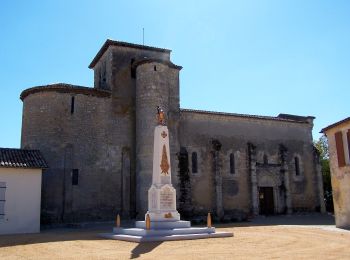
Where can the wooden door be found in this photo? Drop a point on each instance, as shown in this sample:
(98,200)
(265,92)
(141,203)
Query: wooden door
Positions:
(266,202)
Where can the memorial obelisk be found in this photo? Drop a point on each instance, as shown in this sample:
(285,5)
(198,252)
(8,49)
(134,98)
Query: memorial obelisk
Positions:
(162,195)
(162,221)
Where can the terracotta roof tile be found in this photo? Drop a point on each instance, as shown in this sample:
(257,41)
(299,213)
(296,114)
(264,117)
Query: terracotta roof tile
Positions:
(21,158)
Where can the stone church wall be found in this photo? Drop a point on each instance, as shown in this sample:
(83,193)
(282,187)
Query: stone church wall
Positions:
(90,140)
(198,132)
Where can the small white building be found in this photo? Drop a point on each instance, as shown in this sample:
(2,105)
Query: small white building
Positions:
(20,190)
(338,135)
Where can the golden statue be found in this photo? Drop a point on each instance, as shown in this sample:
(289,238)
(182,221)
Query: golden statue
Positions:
(160,116)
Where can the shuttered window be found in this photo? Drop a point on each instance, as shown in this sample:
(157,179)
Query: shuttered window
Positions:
(340,148)
(2,199)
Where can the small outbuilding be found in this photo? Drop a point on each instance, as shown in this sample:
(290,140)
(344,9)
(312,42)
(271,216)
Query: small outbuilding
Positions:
(20,190)
(338,135)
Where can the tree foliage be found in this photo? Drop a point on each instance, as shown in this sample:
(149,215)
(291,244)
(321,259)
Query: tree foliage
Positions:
(322,147)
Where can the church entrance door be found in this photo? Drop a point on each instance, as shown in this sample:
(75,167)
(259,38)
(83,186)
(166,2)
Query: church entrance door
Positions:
(266,202)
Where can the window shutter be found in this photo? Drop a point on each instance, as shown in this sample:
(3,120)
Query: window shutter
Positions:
(340,149)
(2,199)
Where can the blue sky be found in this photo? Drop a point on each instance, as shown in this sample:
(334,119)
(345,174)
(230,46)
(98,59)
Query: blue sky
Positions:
(251,57)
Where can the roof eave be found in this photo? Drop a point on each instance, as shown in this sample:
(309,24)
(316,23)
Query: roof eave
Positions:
(109,42)
(323,131)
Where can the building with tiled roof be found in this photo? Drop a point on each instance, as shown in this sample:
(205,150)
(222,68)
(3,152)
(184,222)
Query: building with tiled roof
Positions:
(20,190)
(99,145)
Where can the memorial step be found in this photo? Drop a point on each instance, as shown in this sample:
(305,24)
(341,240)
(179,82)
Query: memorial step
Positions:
(165,238)
(164,224)
(163,232)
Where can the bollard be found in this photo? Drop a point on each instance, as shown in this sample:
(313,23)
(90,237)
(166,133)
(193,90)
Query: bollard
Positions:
(148,222)
(209,220)
(117,221)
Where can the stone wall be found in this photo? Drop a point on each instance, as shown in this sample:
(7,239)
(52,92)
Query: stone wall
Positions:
(198,131)
(91,140)
(116,66)
(99,137)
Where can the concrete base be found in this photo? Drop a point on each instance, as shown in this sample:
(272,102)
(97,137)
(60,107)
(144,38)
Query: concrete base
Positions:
(140,239)
(164,224)
(164,231)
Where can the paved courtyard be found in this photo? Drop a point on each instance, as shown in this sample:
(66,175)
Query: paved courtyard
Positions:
(288,237)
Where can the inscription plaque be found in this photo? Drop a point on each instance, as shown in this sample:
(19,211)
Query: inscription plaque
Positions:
(166,198)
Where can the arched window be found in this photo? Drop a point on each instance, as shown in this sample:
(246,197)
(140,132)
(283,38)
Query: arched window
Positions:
(194,163)
(297,166)
(232,163)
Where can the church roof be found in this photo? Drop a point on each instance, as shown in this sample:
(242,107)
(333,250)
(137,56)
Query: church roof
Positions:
(65,88)
(335,124)
(280,117)
(22,158)
(123,44)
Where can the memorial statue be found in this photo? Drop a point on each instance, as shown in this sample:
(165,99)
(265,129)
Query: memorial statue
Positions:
(162,220)
(160,116)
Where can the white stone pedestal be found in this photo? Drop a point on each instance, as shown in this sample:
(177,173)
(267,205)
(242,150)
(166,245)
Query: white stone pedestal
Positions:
(165,220)
(162,195)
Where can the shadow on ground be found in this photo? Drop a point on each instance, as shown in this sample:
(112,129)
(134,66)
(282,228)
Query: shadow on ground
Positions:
(47,236)
(90,232)
(312,219)
(143,248)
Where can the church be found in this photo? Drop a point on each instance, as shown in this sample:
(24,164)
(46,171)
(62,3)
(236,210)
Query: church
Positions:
(98,144)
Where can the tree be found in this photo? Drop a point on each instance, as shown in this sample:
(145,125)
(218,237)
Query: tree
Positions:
(322,147)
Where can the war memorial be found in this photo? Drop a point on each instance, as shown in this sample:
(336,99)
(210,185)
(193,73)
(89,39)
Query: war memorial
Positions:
(162,220)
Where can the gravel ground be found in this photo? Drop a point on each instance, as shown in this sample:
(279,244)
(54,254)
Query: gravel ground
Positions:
(287,237)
